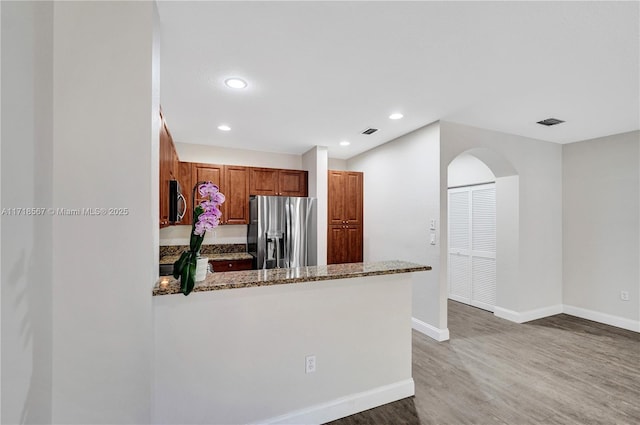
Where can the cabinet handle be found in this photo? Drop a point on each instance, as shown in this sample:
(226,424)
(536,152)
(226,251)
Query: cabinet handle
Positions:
(230,265)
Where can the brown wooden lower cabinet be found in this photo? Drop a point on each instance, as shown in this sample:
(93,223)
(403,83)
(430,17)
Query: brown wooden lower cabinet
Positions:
(344,244)
(230,265)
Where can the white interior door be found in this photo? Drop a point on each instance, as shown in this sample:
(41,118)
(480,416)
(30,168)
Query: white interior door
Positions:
(472,245)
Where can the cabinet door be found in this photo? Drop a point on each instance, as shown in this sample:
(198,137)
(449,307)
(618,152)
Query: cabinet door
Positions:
(164,168)
(292,183)
(353,198)
(173,162)
(236,189)
(184,177)
(354,244)
(336,203)
(263,181)
(205,173)
(336,245)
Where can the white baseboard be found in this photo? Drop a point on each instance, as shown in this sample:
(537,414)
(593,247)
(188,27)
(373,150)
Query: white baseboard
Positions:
(345,406)
(503,313)
(527,316)
(596,316)
(607,319)
(430,331)
(459,299)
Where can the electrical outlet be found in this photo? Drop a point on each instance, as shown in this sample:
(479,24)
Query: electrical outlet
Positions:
(433,224)
(624,295)
(433,238)
(309,364)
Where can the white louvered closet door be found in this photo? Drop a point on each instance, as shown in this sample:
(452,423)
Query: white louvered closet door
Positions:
(472,245)
(459,243)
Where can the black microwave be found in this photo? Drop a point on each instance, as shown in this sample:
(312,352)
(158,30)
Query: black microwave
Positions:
(177,203)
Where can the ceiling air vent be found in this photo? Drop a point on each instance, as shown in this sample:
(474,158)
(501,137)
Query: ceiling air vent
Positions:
(550,121)
(370,131)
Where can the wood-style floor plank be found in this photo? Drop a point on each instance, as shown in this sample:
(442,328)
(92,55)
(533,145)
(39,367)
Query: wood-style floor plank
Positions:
(556,370)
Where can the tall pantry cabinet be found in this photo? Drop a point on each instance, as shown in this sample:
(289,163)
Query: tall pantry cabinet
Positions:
(344,238)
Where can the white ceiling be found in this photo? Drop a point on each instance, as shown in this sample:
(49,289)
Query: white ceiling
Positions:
(321,72)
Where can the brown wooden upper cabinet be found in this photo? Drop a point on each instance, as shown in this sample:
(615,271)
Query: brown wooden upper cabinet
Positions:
(213,173)
(236,189)
(345,210)
(345,197)
(277,182)
(186,184)
(233,182)
(168,170)
(237,183)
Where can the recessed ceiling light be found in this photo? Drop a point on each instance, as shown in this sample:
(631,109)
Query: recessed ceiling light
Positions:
(235,83)
(396,116)
(345,143)
(224,127)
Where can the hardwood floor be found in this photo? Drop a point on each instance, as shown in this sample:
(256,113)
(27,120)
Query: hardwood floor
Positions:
(556,370)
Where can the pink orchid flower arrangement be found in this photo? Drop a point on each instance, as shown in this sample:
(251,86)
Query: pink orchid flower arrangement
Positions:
(206,216)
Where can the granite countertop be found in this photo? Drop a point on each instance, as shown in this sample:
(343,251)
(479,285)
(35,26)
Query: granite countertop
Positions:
(249,278)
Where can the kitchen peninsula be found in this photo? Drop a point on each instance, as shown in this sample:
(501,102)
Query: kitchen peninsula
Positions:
(267,277)
(303,345)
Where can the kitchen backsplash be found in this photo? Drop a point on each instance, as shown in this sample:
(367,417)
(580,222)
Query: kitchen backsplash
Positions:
(227,234)
(206,249)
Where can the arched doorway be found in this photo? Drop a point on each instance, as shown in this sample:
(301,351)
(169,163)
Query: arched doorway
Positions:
(494,180)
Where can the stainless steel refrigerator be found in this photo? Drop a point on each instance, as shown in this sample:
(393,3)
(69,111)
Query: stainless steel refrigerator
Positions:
(282,231)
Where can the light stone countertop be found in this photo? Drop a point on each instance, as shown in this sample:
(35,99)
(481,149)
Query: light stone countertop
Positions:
(250,278)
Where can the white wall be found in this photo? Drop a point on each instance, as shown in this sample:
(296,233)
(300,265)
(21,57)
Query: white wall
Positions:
(26,176)
(601,181)
(538,166)
(219,155)
(508,284)
(315,162)
(338,164)
(401,195)
(238,356)
(466,170)
(105,154)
